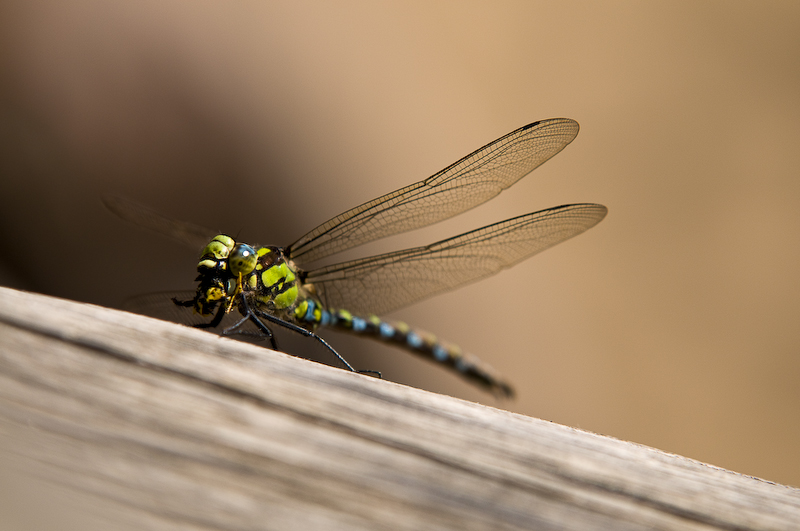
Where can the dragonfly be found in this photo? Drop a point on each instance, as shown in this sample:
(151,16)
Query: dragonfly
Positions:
(267,285)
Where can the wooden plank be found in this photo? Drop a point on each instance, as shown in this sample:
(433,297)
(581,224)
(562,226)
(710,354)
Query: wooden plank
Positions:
(114,421)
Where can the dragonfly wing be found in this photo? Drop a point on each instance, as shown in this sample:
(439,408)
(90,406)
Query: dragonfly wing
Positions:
(383,283)
(465,184)
(183,231)
(160,306)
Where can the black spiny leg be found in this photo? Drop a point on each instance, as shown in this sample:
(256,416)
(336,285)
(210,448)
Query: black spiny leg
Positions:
(264,330)
(254,317)
(211,324)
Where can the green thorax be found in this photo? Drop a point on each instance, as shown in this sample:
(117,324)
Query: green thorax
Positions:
(264,274)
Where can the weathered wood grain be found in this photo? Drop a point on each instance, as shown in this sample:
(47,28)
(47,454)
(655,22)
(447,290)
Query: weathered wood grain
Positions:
(115,421)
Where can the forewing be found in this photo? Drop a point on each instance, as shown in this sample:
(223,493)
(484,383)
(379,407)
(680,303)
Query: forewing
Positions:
(383,283)
(187,233)
(465,184)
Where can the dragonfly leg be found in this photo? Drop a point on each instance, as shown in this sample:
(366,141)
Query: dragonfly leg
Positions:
(264,330)
(211,324)
(255,316)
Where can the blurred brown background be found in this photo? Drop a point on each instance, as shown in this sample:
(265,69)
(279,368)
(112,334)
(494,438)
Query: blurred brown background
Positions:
(674,323)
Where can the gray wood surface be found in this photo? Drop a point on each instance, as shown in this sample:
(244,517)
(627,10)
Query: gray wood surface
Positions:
(115,421)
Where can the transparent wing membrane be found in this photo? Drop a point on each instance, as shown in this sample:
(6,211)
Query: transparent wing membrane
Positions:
(160,306)
(182,231)
(465,184)
(383,283)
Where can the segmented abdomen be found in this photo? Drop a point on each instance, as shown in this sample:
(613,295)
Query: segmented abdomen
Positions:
(400,334)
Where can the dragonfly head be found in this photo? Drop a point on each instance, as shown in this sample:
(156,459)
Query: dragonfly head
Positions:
(222,265)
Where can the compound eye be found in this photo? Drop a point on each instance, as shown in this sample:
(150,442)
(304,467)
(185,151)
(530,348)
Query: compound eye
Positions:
(218,248)
(242,259)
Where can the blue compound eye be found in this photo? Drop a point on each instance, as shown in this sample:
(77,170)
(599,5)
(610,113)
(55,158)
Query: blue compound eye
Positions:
(242,259)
